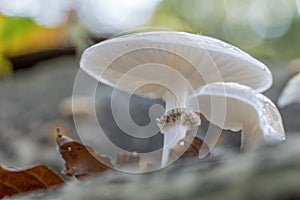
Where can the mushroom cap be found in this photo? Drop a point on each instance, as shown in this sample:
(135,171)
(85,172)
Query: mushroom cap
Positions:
(198,59)
(237,107)
(291,92)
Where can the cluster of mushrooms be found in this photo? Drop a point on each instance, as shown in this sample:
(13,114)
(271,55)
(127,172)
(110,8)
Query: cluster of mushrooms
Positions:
(193,74)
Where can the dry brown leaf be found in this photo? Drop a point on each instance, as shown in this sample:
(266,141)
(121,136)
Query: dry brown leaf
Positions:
(188,147)
(128,159)
(134,161)
(81,161)
(14,181)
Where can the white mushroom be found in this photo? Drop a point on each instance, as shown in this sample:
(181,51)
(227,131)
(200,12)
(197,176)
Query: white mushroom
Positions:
(291,92)
(245,109)
(181,63)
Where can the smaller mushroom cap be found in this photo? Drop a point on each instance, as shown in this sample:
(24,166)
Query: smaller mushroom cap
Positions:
(291,92)
(237,107)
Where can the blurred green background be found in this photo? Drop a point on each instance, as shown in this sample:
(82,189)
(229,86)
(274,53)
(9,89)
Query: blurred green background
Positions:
(265,28)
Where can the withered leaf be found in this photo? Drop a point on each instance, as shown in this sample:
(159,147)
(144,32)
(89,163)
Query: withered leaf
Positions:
(188,147)
(14,181)
(134,161)
(80,160)
(128,159)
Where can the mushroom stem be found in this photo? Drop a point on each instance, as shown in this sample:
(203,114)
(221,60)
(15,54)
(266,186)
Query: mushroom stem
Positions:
(174,124)
(172,135)
(251,133)
(175,132)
